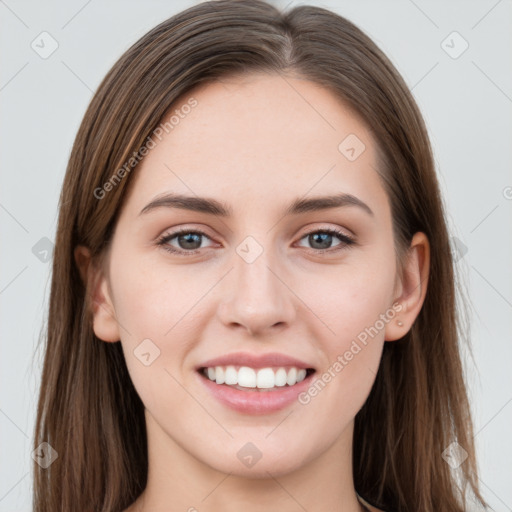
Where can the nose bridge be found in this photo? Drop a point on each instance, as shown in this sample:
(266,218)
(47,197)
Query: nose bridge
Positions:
(256,297)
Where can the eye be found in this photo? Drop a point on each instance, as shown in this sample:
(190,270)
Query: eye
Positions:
(321,240)
(189,241)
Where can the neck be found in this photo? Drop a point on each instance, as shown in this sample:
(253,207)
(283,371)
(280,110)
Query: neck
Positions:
(179,481)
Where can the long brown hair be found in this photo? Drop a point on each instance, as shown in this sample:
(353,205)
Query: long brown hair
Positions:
(89,411)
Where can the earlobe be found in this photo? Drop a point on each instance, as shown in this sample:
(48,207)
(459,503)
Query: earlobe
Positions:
(105,325)
(413,288)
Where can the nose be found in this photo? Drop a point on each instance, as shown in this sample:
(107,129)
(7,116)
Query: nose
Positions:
(256,296)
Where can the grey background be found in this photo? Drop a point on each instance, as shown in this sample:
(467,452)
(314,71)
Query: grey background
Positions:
(467,105)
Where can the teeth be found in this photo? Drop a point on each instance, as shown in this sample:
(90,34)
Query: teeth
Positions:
(281,376)
(219,375)
(291,379)
(246,377)
(231,375)
(263,378)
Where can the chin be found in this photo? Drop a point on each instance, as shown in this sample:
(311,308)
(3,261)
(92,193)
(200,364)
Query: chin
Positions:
(249,462)
(262,469)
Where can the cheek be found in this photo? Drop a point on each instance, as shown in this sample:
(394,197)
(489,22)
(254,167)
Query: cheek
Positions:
(160,308)
(152,299)
(350,298)
(352,351)
(353,305)
(154,306)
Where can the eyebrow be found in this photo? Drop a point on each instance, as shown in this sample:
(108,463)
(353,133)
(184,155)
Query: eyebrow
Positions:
(218,208)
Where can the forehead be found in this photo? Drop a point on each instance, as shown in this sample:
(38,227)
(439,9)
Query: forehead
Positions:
(260,135)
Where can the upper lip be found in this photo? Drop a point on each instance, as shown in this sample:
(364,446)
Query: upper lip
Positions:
(254,360)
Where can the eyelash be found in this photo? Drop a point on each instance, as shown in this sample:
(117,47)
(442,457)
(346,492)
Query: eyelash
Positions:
(347,241)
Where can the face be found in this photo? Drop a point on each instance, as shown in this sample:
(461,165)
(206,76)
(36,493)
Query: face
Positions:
(305,283)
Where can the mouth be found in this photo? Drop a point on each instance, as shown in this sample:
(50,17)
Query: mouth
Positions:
(245,378)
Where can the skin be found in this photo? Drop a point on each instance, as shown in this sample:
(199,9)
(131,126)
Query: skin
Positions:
(255,143)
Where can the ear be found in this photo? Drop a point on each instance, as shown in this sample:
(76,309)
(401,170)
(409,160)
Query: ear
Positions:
(105,325)
(412,288)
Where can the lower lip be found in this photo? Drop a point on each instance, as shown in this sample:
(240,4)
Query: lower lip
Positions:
(255,401)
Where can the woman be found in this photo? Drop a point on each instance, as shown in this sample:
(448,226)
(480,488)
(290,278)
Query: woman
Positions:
(253,298)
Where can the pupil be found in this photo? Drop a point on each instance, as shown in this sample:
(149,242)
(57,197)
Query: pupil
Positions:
(188,239)
(323,237)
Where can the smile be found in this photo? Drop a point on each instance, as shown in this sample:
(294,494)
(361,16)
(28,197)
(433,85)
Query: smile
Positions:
(262,390)
(247,378)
